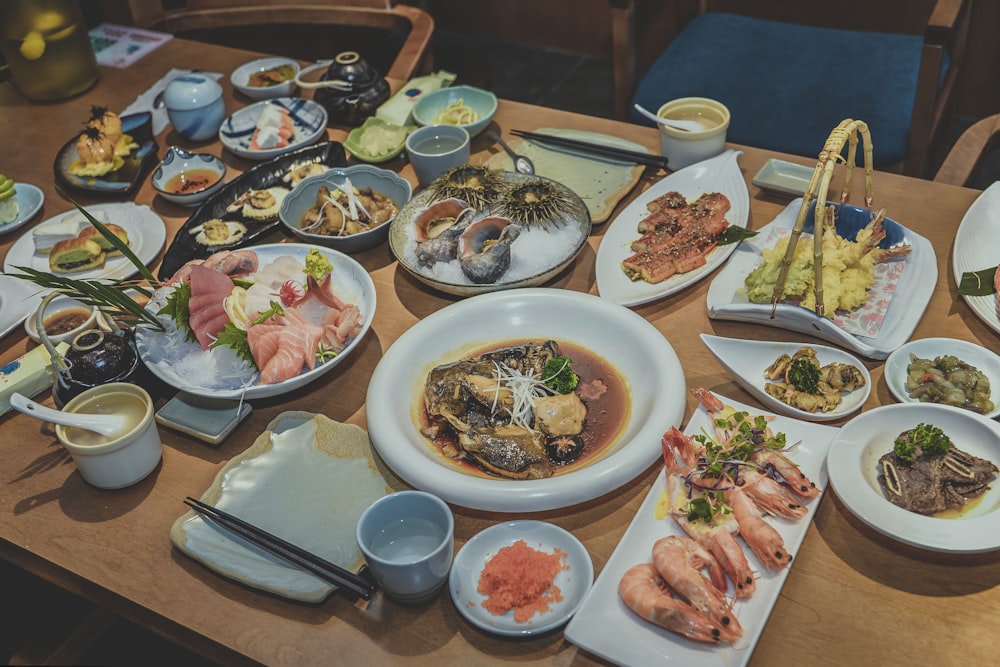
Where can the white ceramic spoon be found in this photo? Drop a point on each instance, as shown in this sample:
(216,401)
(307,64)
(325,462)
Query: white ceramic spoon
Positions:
(683,125)
(107,425)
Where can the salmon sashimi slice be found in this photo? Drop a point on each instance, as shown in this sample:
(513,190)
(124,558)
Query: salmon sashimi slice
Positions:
(283,346)
(274,129)
(208,316)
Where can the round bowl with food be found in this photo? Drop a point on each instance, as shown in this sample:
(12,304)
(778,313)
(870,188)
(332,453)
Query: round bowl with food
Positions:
(187,178)
(347,208)
(923,474)
(946,371)
(466,106)
(580,408)
(64,317)
(266,78)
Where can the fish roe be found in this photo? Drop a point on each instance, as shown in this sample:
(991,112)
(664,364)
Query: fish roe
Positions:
(522,579)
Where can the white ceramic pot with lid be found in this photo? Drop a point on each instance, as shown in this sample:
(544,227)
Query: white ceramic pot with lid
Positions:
(195,106)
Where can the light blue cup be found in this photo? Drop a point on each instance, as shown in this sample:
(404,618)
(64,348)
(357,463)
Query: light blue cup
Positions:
(195,106)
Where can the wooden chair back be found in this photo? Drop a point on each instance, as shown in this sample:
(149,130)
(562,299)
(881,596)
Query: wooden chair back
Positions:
(190,15)
(966,155)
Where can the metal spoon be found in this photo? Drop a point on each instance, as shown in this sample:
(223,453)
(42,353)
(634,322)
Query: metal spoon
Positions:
(107,425)
(522,164)
(682,125)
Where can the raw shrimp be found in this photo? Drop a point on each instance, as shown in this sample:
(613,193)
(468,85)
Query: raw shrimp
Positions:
(760,536)
(718,533)
(680,560)
(645,592)
(770,496)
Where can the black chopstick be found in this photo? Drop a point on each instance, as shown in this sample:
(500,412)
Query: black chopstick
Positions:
(273,544)
(594,148)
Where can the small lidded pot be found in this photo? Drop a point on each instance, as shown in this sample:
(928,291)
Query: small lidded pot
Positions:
(350,90)
(120,460)
(195,106)
(96,358)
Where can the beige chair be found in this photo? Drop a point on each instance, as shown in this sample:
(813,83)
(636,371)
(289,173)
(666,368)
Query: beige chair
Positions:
(740,56)
(963,160)
(271,26)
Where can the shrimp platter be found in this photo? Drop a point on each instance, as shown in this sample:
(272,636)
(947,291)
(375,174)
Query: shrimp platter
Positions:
(703,562)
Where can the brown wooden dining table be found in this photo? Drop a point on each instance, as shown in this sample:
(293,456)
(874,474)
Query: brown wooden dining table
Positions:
(853,596)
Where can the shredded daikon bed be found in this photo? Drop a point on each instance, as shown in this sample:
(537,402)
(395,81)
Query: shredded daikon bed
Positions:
(522,579)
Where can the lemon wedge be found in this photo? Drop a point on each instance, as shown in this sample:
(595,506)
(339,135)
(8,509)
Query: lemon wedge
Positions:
(33,45)
(235,307)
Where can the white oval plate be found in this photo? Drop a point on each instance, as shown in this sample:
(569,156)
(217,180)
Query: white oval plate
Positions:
(628,342)
(747,359)
(928,348)
(146,235)
(718,174)
(574,583)
(351,282)
(29,200)
(853,468)
(18,299)
(308,117)
(977,237)
(727,298)
(607,628)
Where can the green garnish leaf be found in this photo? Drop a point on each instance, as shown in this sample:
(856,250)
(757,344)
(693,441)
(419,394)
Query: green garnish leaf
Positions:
(176,309)
(558,375)
(977,283)
(324,355)
(930,439)
(803,374)
(233,337)
(735,234)
(274,311)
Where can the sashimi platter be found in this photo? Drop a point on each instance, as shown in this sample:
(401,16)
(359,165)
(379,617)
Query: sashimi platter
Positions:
(255,323)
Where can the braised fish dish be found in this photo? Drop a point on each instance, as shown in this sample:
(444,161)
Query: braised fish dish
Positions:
(525,411)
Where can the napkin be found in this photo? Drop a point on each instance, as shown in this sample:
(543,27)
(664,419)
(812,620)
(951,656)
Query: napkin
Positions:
(145,101)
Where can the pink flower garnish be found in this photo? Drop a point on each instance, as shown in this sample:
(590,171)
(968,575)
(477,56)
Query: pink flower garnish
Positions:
(291,293)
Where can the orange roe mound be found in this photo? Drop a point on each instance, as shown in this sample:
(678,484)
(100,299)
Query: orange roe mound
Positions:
(521,578)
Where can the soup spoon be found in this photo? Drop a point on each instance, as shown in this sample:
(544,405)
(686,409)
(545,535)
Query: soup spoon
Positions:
(522,164)
(683,125)
(106,425)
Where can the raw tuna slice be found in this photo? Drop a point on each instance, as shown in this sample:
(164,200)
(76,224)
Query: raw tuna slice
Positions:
(206,313)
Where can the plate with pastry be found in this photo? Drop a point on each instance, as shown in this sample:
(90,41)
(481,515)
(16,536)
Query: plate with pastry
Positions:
(270,128)
(68,244)
(110,156)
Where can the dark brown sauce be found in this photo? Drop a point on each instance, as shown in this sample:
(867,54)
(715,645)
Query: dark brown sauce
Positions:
(191,180)
(65,321)
(606,419)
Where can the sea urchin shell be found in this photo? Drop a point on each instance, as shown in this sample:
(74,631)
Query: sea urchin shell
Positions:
(536,202)
(474,184)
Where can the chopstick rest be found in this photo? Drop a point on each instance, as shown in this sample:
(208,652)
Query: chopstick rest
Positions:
(601,150)
(345,580)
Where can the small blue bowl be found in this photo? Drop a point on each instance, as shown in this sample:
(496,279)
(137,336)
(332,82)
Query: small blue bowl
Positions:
(179,161)
(483,102)
(303,197)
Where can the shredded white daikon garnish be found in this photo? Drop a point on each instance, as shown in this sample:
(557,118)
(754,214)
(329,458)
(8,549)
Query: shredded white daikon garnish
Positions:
(524,388)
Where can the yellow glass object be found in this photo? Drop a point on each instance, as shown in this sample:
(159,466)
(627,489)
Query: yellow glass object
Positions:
(47,47)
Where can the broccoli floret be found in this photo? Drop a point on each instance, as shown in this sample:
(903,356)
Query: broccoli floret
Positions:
(558,375)
(930,439)
(803,374)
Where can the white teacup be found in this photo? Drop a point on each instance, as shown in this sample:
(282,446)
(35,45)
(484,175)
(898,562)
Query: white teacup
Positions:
(683,148)
(408,539)
(434,149)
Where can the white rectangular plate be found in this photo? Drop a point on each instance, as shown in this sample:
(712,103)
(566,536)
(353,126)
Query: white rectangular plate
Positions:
(606,627)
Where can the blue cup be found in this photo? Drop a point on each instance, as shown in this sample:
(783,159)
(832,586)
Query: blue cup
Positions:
(195,106)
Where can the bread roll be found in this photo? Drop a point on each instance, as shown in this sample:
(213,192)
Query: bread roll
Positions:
(95,235)
(74,255)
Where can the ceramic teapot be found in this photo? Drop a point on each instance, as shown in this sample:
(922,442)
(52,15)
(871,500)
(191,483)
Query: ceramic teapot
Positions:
(95,357)
(350,89)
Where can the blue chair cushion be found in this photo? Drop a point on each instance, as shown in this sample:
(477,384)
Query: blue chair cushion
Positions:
(786,86)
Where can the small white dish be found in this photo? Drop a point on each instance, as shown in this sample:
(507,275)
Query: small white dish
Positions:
(853,469)
(747,359)
(781,177)
(308,117)
(983,359)
(240,78)
(574,582)
(977,236)
(18,299)
(718,174)
(64,305)
(202,175)
(29,200)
